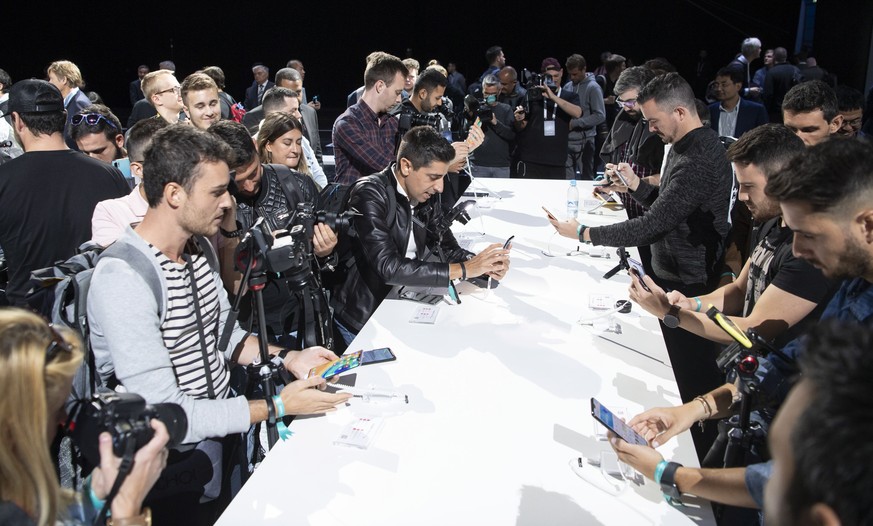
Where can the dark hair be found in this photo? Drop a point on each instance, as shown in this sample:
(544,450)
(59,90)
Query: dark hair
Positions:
(423,145)
(737,76)
(848,98)
(77,132)
(45,122)
(659,65)
(429,80)
(6,80)
(613,62)
(780,55)
(702,112)
(826,176)
(384,67)
(811,96)
(830,442)
(216,74)
(274,126)
(175,156)
(668,91)
(576,61)
(635,77)
(288,73)
(769,147)
(493,53)
(274,98)
(140,135)
(236,137)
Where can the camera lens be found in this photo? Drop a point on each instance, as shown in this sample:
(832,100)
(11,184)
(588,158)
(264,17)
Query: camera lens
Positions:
(173,416)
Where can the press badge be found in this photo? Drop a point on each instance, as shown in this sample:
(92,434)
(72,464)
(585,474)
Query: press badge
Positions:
(549,128)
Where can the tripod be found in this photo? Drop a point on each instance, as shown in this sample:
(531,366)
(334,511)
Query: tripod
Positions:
(622,263)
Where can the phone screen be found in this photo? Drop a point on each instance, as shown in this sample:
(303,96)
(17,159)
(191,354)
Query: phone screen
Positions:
(377,356)
(338,366)
(615,424)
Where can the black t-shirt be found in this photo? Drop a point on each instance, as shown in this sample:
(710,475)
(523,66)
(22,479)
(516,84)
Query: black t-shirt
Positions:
(773,263)
(533,145)
(46,203)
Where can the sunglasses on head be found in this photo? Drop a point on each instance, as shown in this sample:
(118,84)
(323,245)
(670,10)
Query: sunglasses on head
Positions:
(91,119)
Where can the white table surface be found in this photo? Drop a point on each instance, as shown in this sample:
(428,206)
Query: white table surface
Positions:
(499,391)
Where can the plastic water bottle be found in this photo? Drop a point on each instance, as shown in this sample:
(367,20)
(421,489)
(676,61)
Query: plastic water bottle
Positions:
(572,200)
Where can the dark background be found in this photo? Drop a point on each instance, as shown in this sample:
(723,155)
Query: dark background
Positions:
(109,40)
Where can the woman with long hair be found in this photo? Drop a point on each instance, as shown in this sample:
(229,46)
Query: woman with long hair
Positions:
(37,365)
(280,141)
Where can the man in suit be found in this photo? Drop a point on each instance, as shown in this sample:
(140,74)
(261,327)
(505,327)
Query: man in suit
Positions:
(136,86)
(750,50)
(66,76)
(255,92)
(733,115)
(292,79)
(781,78)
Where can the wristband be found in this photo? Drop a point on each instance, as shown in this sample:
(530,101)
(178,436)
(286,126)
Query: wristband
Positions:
(463,270)
(699,304)
(731,274)
(236,233)
(659,470)
(95,501)
(280,406)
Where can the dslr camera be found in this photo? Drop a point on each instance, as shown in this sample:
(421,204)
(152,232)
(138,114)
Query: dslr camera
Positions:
(126,417)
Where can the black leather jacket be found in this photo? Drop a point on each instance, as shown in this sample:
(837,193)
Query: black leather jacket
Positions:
(271,203)
(379,249)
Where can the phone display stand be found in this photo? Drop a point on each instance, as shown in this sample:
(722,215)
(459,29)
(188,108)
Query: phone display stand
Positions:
(606,473)
(469,230)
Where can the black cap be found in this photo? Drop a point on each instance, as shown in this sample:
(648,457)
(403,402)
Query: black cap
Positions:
(35,96)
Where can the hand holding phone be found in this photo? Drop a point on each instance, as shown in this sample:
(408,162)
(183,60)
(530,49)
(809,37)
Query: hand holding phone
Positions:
(637,268)
(615,424)
(338,366)
(508,243)
(551,215)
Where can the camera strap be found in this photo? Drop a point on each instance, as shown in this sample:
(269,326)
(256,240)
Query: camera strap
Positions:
(210,384)
(123,471)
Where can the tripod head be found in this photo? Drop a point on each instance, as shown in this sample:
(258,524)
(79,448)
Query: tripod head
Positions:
(623,263)
(741,358)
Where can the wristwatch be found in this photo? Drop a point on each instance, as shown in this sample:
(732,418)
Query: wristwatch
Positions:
(668,484)
(671,319)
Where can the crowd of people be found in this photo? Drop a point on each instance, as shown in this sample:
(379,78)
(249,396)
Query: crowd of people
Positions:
(754,197)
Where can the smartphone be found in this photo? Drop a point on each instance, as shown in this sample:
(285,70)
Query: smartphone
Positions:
(508,243)
(638,269)
(377,356)
(315,98)
(123,166)
(338,366)
(615,424)
(551,215)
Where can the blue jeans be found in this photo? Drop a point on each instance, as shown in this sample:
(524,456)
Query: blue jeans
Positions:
(347,334)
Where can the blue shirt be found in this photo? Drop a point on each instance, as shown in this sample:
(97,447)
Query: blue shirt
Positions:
(852,303)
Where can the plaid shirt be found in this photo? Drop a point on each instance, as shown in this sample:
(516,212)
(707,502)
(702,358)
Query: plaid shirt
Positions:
(363,142)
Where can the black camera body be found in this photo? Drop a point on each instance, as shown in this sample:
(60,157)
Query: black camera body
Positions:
(126,417)
(532,82)
(478,108)
(435,120)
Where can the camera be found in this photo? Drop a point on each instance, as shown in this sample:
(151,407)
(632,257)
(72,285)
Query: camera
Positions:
(435,120)
(126,417)
(477,108)
(532,82)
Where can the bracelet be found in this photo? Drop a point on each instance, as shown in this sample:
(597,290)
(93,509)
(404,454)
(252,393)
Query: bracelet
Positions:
(707,408)
(463,270)
(699,304)
(143,519)
(97,502)
(659,470)
(236,233)
(280,406)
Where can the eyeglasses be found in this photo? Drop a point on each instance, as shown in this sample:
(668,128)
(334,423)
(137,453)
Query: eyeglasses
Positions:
(92,119)
(629,103)
(853,124)
(57,345)
(175,89)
